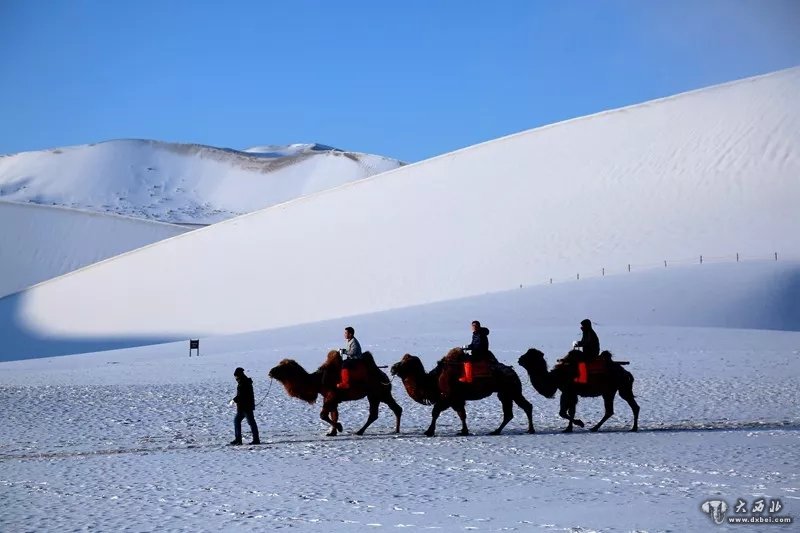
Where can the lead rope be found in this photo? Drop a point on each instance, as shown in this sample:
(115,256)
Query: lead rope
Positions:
(267,394)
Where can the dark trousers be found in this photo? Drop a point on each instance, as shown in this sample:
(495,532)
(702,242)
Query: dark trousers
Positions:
(237,424)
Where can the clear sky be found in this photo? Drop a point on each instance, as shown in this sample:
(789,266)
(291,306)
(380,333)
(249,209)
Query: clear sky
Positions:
(408,79)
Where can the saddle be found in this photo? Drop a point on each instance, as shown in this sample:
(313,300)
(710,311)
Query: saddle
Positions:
(359,371)
(480,369)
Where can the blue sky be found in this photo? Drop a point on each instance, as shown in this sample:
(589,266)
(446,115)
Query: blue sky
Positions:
(409,79)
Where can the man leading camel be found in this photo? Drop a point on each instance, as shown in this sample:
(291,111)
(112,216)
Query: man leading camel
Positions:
(245,405)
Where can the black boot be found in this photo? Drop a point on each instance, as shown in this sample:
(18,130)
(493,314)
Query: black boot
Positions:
(235,442)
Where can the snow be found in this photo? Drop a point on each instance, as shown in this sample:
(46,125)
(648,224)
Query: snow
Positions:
(711,172)
(179,183)
(43,242)
(135,438)
(57,204)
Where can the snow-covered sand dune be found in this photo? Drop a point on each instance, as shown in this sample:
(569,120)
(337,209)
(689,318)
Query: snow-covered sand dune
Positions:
(179,183)
(711,172)
(38,243)
(755,295)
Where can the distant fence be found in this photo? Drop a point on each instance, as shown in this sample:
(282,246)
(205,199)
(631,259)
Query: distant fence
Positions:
(666,263)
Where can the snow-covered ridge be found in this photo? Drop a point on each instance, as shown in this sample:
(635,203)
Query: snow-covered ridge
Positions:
(710,172)
(40,242)
(179,183)
(279,150)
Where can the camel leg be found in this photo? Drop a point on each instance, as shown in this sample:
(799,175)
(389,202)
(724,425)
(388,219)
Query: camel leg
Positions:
(608,400)
(508,412)
(461,410)
(438,407)
(329,409)
(567,411)
(526,406)
(396,409)
(335,419)
(627,395)
(572,410)
(564,412)
(374,403)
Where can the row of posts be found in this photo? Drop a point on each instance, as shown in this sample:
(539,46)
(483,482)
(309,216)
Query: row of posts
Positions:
(603,270)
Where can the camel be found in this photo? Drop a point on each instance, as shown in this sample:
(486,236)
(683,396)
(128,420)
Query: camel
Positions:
(610,381)
(441,388)
(373,384)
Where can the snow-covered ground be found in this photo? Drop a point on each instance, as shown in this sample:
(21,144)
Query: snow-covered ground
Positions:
(711,172)
(39,242)
(136,438)
(179,183)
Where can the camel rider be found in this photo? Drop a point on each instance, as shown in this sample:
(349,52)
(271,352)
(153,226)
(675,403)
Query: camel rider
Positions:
(351,352)
(589,342)
(476,350)
(590,345)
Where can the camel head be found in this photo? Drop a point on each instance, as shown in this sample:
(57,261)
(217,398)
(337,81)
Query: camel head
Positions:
(296,381)
(286,370)
(533,360)
(409,365)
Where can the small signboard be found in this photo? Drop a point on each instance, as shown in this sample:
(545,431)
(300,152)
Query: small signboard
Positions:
(194,344)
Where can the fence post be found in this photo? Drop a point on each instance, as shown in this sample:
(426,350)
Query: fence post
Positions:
(701,259)
(776,256)
(551,281)
(629,267)
(604,271)
(665,263)
(737,257)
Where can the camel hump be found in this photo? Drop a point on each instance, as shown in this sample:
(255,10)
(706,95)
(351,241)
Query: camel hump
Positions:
(333,357)
(506,370)
(455,354)
(608,356)
(366,370)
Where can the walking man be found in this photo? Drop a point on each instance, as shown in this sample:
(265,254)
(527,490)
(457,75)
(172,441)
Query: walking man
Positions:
(245,405)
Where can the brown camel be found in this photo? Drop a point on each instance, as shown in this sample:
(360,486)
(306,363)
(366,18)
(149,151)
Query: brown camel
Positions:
(366,380)
(441,388)
(612,378)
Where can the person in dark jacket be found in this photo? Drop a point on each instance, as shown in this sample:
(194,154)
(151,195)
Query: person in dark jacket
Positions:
(476,350)
(589,341)
(245,405)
